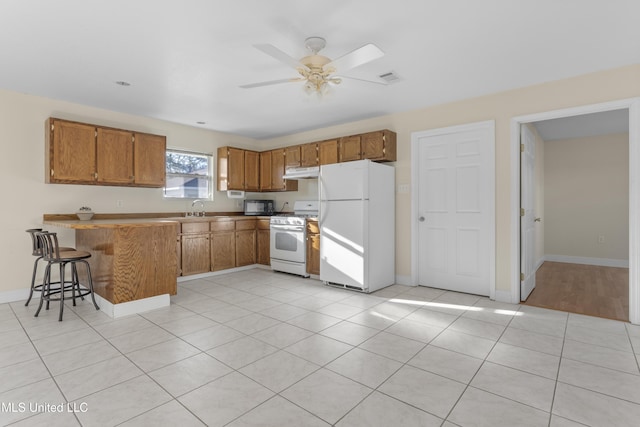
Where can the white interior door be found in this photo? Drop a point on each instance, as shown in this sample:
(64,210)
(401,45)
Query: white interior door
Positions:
(456,227)
(527,213)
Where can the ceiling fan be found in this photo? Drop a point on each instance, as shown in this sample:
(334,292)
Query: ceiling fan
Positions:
(318,71)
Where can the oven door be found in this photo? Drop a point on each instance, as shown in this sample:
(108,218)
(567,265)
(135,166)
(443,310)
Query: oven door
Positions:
(287,243)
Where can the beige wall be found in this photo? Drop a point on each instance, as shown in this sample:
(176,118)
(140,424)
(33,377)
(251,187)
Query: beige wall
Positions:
(586,196)
(27,197)
(593,88)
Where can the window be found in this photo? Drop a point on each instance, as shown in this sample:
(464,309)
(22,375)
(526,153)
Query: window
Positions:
(189,175)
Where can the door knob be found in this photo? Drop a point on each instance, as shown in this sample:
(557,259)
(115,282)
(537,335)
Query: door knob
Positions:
(421,219)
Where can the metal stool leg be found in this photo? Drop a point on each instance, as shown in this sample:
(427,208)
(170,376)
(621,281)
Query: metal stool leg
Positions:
(62,268)
(33,280)
(93,299)
(46,287)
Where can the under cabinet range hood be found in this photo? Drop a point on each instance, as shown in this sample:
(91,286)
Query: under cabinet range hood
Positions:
(302,173)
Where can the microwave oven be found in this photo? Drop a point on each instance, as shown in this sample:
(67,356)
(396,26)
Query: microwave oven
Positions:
(258,207)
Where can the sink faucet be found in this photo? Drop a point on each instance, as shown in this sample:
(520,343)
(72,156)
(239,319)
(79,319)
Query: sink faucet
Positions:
(193,208)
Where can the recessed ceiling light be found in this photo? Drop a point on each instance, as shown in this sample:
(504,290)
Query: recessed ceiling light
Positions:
(123,83)
(201,123)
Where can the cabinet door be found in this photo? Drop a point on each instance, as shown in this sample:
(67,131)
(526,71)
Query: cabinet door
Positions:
(313,247)
(277,170)
(350,148)
(263,252)
(313,254)
(251,171)
(223,250)
(245,247)
(309,155)
(114,152)
(379,145)
(235,159)
(71,152)
(265,170)
(195,254)
(292,157)
(149,160)
(328,152)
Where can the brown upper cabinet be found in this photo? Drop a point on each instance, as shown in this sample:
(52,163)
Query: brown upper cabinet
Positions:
(230,168)
(292,156)
(278,183)
(240,169)
(379,145)
(309,155)
(265,171)
(81,153)
(149,152)
(328,152)
(350,148)
(252,171)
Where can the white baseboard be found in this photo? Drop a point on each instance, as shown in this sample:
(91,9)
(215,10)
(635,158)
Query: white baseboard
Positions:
(16,295)
(221,272)
(603,262)
(403,280)
(132,307)
(504,296)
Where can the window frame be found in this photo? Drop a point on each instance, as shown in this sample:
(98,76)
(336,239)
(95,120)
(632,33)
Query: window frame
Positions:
(209,176)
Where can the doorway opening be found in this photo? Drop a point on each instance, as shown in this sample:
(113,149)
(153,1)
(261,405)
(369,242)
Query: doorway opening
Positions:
(575,231)
(581,260)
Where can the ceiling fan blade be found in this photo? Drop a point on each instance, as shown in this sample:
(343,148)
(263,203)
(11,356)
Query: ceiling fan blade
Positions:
(363,80)
(353,59)
(272,82)
(276,53)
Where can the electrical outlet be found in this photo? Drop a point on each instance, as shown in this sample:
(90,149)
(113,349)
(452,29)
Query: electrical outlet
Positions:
(239,204)
(601,238)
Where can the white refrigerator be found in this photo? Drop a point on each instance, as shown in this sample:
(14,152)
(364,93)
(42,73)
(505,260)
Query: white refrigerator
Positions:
(357,225)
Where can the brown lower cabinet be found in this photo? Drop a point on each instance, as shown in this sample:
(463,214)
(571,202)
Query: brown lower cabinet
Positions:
(245,242)
(195,248)
(313,247)
(263,242)
(216,245)
(223,245)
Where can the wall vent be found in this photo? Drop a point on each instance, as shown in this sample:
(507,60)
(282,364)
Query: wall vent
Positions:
(390,77)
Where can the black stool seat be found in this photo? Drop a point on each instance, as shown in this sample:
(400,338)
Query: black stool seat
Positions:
(53,254)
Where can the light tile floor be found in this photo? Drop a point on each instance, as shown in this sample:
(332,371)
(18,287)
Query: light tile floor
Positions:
(257,348)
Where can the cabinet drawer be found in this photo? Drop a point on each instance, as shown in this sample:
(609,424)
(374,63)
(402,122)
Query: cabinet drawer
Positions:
(246,224)
(229,225)
(195,227)
(264,224)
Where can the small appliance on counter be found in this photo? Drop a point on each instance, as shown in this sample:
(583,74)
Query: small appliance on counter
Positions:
(258,207)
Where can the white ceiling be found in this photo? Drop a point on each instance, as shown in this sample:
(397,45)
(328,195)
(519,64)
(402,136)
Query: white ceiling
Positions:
(604,123)
(185,59)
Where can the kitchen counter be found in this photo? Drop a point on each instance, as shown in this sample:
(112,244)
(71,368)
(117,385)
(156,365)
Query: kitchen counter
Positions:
(132,261)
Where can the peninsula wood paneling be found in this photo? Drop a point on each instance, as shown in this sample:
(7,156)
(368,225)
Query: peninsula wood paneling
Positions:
(131,263)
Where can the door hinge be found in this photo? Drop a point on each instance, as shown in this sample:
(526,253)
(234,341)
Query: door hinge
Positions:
(51,172)
(522,148)
(52,126)
(521,211)
(133,138)
(522,277)
(95,133)
(95,175)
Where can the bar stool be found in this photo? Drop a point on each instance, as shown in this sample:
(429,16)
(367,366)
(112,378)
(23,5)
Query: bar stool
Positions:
(36,251)
(53,254)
